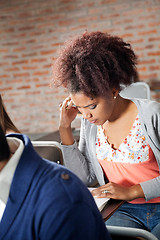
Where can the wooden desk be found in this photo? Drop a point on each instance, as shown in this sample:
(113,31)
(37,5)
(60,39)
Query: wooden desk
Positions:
(111,206)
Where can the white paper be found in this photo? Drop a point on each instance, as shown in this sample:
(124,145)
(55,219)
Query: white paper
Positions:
(101,202)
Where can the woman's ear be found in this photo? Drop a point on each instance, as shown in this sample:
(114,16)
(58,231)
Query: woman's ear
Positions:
(115,93)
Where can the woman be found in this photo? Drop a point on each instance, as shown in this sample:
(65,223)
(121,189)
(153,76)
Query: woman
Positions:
(5,121)
(120,138)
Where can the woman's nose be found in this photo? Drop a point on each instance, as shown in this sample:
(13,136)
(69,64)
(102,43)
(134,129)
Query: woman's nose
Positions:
(86,115)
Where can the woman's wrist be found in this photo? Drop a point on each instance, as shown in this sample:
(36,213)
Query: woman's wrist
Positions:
(66,135)
(136,192)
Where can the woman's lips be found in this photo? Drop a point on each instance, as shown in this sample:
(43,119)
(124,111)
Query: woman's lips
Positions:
(93,121)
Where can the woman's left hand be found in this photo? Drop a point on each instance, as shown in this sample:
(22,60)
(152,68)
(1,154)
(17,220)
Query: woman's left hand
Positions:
(116,191)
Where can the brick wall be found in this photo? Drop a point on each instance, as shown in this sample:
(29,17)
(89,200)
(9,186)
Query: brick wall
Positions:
(31,31)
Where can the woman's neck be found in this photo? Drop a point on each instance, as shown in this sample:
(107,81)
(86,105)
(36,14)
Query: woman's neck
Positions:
(121,107)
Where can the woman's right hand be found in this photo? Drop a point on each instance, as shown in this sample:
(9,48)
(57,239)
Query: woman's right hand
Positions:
(68,113)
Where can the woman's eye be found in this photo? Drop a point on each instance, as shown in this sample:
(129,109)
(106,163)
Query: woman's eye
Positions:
(93,106)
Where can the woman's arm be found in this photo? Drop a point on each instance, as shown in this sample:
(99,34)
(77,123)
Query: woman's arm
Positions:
(67,114)
(116,191)
(78,159)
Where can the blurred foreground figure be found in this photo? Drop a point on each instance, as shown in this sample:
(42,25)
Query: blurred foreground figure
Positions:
(5,120)
(41,200)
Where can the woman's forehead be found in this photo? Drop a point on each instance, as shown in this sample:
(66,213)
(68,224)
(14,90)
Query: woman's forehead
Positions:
(80,100)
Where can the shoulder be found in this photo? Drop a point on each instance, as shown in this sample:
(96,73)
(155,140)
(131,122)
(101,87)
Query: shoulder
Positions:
(147,106)
(61,198)
(60,183)
(68,204)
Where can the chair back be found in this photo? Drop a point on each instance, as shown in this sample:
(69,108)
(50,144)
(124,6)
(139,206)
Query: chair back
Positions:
(136,90)
(50,150)
(128,233)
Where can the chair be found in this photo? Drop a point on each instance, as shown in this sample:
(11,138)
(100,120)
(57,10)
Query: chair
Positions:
(50,150)
(128,233)
(136,90)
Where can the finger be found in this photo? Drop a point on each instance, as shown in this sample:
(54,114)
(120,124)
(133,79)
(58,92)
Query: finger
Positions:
(98,194)
(99,190)
(69,105)
(66,102)
(95,192)
(63,106)
(60,106)
(105,191)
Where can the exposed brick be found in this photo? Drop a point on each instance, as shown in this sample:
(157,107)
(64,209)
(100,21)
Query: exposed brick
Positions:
(4,76)
(20,62)
(123,21)
(154,9)
(120,7)
(42,85)
(10,56)
(81,26)
(131,27)
(24,74)
(12,69)
(4,64)
(126,35)
(14,81)
(37,33)
(66,22)
(9,30)
(3,50)
(48,52)
(26,28)
(150,32)
(32,93)
(32,54)
(19,49)
(40,73)
(153,24)
(154,53)
(32,80)
(135,12)
(144,77)
(148,61)
(155,85)
(31,33)
(110,16)
(5,89)
(142,69)
(26,14)
(104,2)
(29,67)
(24,87)
(38,60)
(153,39)
(147,17)
(153,68)
(136,41)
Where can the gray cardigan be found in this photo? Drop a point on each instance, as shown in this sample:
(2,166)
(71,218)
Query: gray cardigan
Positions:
(82,159)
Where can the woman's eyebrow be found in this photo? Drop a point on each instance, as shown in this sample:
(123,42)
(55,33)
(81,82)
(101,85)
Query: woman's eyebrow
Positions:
(84,106)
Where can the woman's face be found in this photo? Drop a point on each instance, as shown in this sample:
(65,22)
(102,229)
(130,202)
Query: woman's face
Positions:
(96,110)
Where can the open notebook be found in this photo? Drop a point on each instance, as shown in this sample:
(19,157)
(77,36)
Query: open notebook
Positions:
(101,202)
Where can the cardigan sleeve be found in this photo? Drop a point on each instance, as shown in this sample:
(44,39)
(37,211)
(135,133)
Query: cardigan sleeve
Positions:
(77,159)
(150,118)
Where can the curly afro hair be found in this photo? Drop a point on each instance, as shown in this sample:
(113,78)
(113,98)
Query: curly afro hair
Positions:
(95,62)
